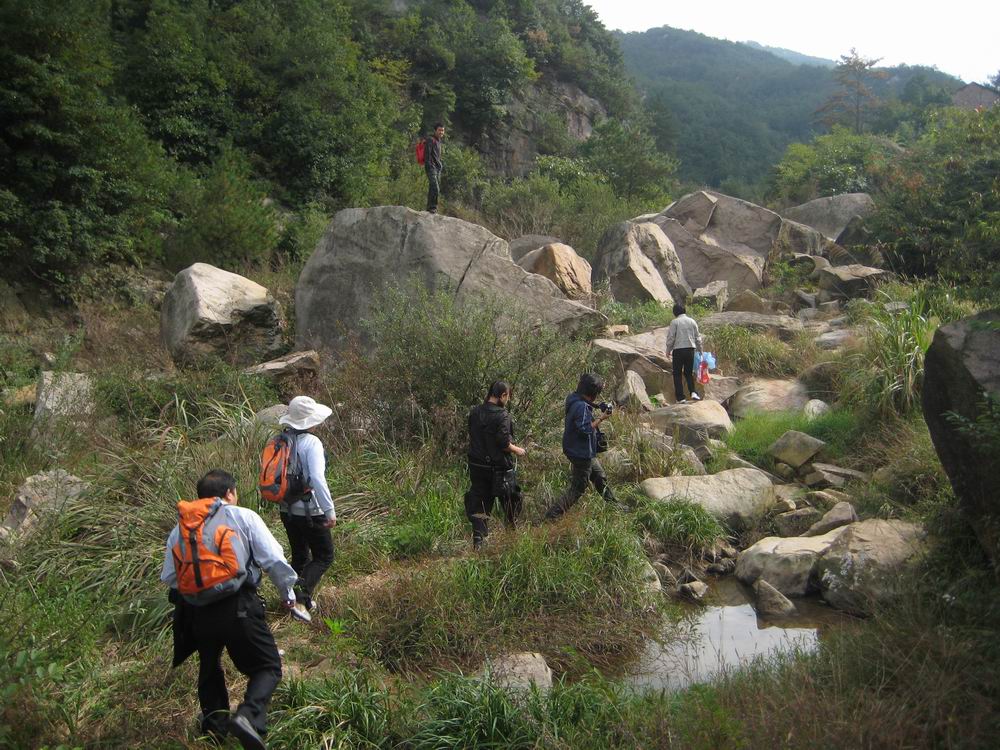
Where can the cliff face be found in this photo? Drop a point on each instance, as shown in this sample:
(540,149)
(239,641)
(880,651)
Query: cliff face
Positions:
(544,118)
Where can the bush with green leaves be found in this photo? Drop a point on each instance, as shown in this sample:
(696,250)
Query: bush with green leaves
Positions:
(753,351)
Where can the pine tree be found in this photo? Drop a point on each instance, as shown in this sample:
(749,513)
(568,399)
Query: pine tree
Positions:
(855,100)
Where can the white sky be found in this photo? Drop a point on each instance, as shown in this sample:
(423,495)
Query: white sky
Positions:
(962,40)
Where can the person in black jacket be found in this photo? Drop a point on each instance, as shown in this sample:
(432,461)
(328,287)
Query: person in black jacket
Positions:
(580,431)
(491,463)
(433,166)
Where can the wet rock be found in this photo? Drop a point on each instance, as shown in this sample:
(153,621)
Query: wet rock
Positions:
(795,448)
(695,422)
(762,395)
(714,295)
(784,327)
(734,496)
(795,522)
(862,567)
(770,602)
(788,564)
(695,590)
(961,369)
(520,671)
(209,314)
(561,265)
(747,301)
(839,515)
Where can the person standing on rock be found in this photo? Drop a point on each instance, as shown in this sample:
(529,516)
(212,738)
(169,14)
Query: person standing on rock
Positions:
(580,444)
(213,565)
(309,517)
(433,166)
(491,463)
(683,338)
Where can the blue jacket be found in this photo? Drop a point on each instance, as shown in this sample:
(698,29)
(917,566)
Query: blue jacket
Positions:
(579,436)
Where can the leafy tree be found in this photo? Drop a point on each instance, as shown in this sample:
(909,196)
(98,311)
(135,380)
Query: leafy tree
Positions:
(855,100)
(995,81)
(629,159)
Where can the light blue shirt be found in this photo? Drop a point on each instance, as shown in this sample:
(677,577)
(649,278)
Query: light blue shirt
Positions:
(259,541)
(312,463)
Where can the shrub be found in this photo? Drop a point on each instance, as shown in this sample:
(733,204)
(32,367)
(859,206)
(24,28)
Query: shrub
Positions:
(677,522)
(753,352)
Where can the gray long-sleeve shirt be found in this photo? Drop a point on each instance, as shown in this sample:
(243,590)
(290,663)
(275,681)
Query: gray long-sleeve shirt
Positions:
(683,334)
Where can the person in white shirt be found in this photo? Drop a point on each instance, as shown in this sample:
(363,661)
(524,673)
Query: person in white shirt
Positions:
(234,622)
(308,518)
(683,338)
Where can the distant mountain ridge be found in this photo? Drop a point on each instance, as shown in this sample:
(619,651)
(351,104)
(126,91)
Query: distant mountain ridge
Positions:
(796,58)
(736,106)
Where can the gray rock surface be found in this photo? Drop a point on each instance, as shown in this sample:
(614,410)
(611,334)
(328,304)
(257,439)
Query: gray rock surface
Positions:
(961,369)
(839,515)
(832,214)
(765,395)
(632,393)
(695,422)
(797,522)
(40,495)
(366,249)
(714,294)
(770,602)
(795,448)
(734,496)
(747,301)
(63,398)
(862,567)
(520,671)
(784,327)
(850,281)
(788,564)
(640,264)
(528,242)
(209,314)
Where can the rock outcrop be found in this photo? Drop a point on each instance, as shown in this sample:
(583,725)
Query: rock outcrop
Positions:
(528,242)
(784,327)
(850,281)
(366,249)
(789,563)
(695,422)
(66,398)
(770,602)
(765,395)
(832,215)
(640,264)
(714,294)
(962,378)
(40,495)
(561,265)
(734,496)
(209,314)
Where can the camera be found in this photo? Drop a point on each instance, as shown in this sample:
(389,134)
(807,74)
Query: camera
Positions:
(606,407)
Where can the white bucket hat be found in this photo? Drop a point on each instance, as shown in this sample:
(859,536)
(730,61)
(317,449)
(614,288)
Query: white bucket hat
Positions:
(304,412)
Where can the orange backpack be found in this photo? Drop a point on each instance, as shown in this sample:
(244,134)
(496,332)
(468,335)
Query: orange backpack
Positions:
(281,479)
(210,559)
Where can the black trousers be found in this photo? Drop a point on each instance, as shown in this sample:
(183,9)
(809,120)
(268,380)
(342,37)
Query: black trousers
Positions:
(582,473)
(683,365)
(479,502)
(312,550)
(433,188)
(237,625)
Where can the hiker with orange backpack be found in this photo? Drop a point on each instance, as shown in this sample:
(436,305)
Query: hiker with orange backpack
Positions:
(213,563)
(293,474)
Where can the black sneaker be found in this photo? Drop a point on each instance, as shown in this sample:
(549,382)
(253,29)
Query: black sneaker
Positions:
(241,728)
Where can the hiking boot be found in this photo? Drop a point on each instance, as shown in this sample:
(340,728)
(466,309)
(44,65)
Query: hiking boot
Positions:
(241,728)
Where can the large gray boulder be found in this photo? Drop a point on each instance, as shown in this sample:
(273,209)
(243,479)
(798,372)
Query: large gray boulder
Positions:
(862,567)
(765,395)
(632,393)
(832,214)
(209,314)
(734,496)
(850,281)
(787,563)
(704,262)
(625,354)
(961,371)
(366,249)
(640,264)
(784,327)
(696,422)
(747,301)
(561,265)
(528,242)
(795,448)
(41,495)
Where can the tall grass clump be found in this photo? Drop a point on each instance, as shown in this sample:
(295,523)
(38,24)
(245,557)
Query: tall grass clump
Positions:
(840,429)
(432,357)
(574,586)
(677,524)
(753,352)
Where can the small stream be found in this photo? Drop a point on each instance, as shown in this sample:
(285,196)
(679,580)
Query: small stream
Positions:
(725,633)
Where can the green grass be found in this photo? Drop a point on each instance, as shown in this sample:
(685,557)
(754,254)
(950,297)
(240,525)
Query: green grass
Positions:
(677,523)
(757,353)
(751,436)
(638,316)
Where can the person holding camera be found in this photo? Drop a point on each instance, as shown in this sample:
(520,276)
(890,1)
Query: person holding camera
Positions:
(582,441)
(491,463)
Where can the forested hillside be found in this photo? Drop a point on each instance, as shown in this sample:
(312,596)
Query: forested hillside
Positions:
(155,129)
(733,109)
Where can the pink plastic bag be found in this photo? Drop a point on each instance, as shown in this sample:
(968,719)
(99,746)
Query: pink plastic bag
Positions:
(703,372)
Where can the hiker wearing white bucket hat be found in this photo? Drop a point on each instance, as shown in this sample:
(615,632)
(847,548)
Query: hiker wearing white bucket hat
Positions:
(309,517)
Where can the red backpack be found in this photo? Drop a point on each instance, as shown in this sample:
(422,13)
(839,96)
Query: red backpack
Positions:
(421,151)
(281,477)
